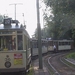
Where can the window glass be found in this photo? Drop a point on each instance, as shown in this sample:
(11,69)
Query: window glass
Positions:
(60,43)
(20,42)
(69,43)
(35,44)
(7,43)
(19,31)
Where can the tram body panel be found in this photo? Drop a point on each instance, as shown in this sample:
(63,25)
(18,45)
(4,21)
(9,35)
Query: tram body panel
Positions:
(50,48)
(35,51)
(67,47)
(29,56)
(44,49)
(12,60)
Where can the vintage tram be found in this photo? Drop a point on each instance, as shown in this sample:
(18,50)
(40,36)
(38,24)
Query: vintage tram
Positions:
(61,45)
(47,46)
(15,54)
(34,44)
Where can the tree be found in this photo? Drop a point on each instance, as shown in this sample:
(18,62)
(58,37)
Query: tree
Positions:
(62,19)
(1,18)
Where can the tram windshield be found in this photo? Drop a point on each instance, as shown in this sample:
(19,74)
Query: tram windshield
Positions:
(9,42)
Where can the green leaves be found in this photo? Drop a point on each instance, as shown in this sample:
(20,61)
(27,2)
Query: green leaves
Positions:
(62,19)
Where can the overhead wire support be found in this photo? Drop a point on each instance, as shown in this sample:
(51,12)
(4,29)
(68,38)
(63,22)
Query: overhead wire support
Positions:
(15,7)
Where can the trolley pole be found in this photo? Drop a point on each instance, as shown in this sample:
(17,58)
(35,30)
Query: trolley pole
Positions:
(15,7)
(39,36)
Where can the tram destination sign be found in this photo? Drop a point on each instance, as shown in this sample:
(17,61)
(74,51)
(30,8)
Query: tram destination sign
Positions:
(7,21)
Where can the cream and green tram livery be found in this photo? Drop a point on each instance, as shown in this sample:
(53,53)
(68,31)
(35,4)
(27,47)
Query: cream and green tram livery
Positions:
(15,54)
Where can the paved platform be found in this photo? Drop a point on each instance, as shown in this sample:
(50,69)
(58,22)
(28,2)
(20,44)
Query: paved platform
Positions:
(38,71)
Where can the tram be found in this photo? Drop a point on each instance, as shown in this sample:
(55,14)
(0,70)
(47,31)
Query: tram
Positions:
(61,45)
(47,46)
(34,51)
(15,53)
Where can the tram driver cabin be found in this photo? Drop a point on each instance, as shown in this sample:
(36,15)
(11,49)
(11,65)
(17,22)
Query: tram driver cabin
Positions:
(15,55)
(9,37)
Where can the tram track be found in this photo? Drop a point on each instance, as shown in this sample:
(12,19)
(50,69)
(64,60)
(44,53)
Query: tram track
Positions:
(47,64)
(56,66)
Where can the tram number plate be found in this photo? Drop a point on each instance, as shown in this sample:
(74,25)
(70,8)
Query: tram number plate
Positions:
(18,59)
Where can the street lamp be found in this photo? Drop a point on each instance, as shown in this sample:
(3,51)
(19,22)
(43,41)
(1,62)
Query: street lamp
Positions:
(39,36)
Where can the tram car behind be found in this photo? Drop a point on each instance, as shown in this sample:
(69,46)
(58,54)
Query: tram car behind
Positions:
(61,45)
(34,51)
(15,55)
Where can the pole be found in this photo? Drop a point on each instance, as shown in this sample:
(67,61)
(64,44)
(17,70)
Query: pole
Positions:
(15,11)
(15,7)
(23,19)
(39,36)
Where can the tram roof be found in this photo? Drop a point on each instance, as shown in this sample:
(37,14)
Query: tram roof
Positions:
(18,27)
(12,26)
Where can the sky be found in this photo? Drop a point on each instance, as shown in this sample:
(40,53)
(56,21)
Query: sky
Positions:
(28,7)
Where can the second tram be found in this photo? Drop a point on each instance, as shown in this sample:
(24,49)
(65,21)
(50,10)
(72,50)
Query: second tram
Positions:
(47,46)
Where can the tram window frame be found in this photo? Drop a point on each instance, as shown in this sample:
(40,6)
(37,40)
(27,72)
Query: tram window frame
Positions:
(8,42)
(66,43)
(50,43)
(69,43)
(60,43)
(19,31)
(20,42)
(63,43)
(35,44)
(28,43)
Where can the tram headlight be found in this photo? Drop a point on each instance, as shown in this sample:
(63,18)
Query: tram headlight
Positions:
(7,64)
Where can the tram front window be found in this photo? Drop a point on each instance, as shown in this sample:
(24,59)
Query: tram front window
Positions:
(7,43)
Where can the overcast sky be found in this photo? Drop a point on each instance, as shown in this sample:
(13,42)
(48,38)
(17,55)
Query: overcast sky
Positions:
(28,7)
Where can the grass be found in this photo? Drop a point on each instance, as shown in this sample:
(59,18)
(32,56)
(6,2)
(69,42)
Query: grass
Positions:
(30,71)
(71,65)
(71,55)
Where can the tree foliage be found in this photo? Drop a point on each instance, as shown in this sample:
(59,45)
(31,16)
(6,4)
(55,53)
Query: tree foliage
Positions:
(1,18)
(62,17)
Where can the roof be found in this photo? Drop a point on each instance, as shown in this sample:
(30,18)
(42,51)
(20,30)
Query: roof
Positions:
(13,27)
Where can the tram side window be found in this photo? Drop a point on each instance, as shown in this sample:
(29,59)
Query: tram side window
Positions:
(7,43)
(35,45)
(69,43)
(50,43)
(28,43)
(20,42)
(60,43)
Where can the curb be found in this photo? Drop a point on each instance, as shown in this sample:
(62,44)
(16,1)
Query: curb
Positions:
(72,61)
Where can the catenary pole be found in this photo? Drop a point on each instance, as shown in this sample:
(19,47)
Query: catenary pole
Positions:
(15,7)
(39,36)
